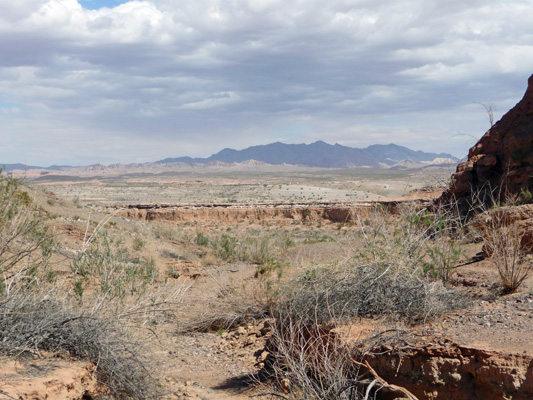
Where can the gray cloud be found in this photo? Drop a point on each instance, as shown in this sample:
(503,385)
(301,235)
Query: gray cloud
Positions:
(148,80)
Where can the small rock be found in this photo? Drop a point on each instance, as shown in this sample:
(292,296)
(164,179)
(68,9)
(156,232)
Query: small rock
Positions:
(263,356)
(285,385)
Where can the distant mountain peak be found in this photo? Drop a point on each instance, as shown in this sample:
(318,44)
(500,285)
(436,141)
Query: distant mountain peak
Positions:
(318,154)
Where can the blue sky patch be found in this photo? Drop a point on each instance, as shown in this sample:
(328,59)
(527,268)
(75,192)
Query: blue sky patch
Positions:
(6,104)
(97,4)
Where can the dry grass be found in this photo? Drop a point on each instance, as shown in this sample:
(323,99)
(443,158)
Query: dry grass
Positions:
(503,241)
(232,305)
(33,323)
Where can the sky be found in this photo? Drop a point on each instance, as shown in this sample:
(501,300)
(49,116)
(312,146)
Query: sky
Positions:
(115,81)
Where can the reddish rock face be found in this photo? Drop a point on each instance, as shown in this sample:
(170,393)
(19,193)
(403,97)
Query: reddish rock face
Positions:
(501,162)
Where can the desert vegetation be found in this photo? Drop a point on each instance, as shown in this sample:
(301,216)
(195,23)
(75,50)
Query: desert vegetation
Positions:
(505,239)
(398,275)
(328,296)
(83,315)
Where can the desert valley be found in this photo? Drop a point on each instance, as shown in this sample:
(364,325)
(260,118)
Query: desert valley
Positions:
(264,199)
(247,279)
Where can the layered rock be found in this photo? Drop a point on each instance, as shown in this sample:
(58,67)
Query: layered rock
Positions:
(501,162)
(451,371)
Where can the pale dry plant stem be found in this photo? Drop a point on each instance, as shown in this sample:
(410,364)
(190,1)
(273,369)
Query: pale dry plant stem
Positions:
(513,266)
(503,241)
(87,241)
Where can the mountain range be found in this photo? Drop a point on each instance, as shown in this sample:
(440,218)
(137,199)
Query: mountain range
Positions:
(319,154)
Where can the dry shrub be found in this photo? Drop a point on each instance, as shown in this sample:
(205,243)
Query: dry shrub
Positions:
(494,215)
(34,323)
(106,331)
(311,363)
(415,238)
(503,241)
(341,295)
(307,351)
(39,314)
(392,278)
(316,362)
(230,306)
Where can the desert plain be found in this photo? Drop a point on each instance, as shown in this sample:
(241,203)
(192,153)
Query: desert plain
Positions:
(240,183)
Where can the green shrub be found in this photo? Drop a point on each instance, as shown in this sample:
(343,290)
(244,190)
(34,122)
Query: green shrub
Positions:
(525,197)
(201,239)
(443,255)
(225,247)
(138,243)
(112,268)
(173,272)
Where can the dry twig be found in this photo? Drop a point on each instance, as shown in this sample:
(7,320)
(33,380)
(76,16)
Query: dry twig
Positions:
(383,383)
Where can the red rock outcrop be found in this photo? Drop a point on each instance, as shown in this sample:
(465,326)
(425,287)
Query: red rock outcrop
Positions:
(501,162)
(232,214)
(255,213)
(48,379)
(450,371)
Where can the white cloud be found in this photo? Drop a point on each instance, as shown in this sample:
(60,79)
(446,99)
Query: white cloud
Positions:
(238,72)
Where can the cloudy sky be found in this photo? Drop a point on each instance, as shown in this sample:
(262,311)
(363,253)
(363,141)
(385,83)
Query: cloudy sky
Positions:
(86,81)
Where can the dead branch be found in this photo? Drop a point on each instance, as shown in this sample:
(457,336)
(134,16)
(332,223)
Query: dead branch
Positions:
(384,384)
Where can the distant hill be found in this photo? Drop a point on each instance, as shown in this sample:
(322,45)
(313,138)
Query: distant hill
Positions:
(11,167)
(24,167)
(318,154)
